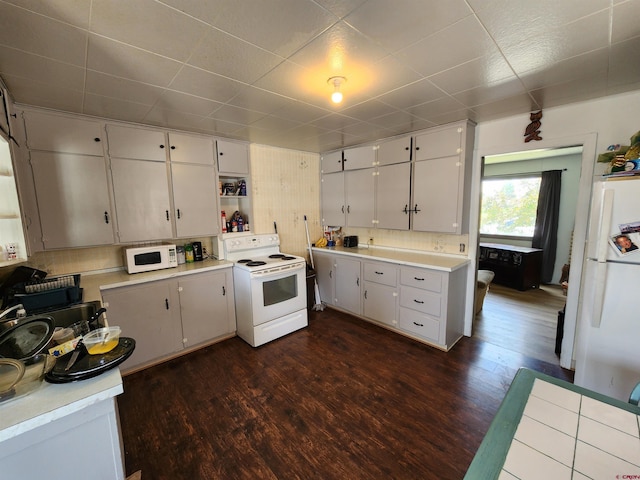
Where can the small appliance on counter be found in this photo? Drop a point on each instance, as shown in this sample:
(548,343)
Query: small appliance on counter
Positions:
(147,259)
(197,251)
(350,241)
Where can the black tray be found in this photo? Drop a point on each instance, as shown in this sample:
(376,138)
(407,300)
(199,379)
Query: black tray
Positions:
(89,366)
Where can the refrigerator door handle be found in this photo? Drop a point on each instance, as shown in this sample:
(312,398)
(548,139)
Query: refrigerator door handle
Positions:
(605,224)
(600,284)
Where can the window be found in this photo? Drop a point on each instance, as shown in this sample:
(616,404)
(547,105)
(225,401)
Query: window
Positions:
(509,205)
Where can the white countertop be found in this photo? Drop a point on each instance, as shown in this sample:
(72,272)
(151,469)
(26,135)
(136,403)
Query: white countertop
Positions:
(414,258)
(93,284)
(53,401)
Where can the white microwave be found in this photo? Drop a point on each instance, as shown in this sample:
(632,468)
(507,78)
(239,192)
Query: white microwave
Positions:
(146,259)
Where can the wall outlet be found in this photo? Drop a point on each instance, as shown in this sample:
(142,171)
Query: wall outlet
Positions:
(371,241)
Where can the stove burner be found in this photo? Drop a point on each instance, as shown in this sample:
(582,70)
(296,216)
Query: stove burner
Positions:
(244,260)
(277,255)
(256,264)
(285,257)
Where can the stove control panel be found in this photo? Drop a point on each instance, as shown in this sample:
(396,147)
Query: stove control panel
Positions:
(252,242)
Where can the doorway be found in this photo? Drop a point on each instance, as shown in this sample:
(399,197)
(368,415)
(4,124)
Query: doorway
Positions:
(576,244)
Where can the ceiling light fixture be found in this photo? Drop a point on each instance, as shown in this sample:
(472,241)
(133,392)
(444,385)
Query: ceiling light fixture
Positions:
(336,96)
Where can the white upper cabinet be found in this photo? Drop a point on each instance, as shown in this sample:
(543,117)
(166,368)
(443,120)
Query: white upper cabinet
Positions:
(141,192)
(195,200)
(233,158)
(397,150)
(58,133)
(332,199)
(439,142)
(359,187)
(73,199)
(191,149)
(393,196)
(331,162)
(137,143)
(359,157)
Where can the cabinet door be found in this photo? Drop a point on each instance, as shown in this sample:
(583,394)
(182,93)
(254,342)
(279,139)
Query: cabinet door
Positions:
(439,142)
(57,133)
(393,196)
(233,157)
(332,199)
(73,199)
(4,117)
(204,307)
(394,151)
(195,198)
(437,195)
(331,162)
(150,314)
(142,200)
(359,157)
(380,303)
(190,149)
(137,143)
(360,200)
(324,276)
(347,284)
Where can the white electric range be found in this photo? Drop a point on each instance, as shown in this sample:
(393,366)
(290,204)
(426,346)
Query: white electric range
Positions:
(269,287)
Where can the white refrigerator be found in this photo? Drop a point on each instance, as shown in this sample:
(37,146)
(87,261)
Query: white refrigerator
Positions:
(608,337)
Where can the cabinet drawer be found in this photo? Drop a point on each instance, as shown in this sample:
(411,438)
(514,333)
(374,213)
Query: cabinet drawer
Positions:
(380,273)
(424,279)
(420,324)
(421,300)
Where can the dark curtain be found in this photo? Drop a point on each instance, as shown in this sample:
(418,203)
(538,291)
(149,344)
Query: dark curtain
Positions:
(545,235)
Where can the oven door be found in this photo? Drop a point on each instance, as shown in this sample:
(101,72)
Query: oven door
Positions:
(277,294)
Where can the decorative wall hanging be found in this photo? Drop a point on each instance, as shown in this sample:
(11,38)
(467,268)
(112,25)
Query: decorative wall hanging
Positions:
(532,132)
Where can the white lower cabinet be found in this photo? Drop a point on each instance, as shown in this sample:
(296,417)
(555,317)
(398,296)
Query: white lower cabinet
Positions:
(166,317)
(426,304)
(380,296)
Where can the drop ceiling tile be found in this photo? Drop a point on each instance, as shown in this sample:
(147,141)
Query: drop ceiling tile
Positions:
(175,120)
(389,74)
(414,125)
(231,57)
(257,99)
(113,108)
(506,107)
(300,112)
(291,80)
(73,12)
(366,130)
(44,94)
(340,50)
(273,123)
(623,66)
(182,102)
(481,71)
(367,110)
(34,67)
(334,121)
(483,94)
(281,26)
(121,88)
(625,21)
(340,8)
(509,22)
(404,22)
(222,127)
(428,110)
(572,91)
(206,85)
(395,119)
(412,94)
(456,44)
(120,60)
(41,35)
(580,67)
(229,113)
(305,131)
(148,25)
(583,35)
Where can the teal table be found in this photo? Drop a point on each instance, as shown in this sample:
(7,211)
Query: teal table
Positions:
(550,429)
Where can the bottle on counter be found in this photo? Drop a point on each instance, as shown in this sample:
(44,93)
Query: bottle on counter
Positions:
(224,222)
(188,253)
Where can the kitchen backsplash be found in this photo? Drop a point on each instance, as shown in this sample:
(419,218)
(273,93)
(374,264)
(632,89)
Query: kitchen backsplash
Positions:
(423,241)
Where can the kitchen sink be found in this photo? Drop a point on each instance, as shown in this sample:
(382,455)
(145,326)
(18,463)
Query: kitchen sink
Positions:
(74,313)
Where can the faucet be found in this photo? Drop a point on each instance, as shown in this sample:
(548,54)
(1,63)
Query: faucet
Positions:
(21,312)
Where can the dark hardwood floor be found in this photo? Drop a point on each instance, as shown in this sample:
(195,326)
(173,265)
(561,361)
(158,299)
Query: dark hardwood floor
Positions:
(341,399)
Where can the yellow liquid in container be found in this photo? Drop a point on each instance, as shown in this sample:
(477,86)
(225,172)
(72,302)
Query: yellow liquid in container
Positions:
(99,348)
